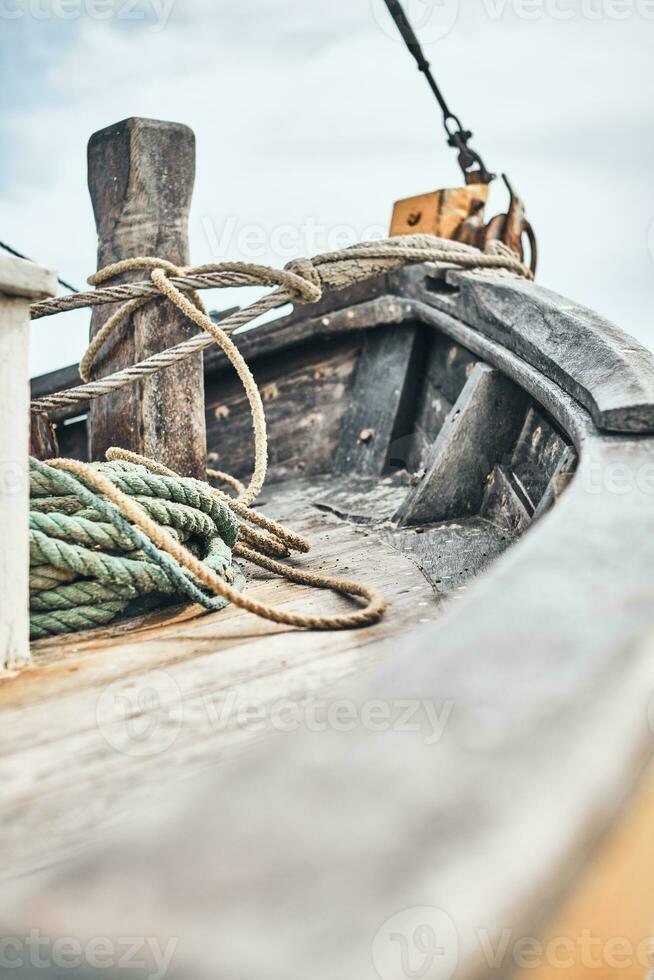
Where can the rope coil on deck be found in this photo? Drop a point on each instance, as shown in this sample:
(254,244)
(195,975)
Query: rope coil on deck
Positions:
(115,538)
(88,564)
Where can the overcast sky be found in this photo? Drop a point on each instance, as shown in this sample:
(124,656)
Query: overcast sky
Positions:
(311,119)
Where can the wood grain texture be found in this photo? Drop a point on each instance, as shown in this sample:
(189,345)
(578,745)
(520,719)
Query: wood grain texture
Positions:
(603,368)
(481,428)
(455,213)
(536,456)
(606,370)
(505,504)
(43,437)
(451,553)
(383,384)
(295,857)
(441,377)
(561,478)
(314,842)
(141,174)
(201,671)
(306,392)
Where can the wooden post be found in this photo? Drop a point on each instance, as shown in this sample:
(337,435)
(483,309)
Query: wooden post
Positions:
(141,174)
(20,283)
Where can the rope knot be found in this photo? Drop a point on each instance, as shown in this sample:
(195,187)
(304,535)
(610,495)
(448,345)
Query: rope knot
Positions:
(304,283)
(157,266)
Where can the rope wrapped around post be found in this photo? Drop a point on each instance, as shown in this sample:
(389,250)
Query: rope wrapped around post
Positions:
(302,281)
(72,586)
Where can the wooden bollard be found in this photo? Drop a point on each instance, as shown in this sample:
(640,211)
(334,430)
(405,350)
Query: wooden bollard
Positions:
(141,174)
(21,282)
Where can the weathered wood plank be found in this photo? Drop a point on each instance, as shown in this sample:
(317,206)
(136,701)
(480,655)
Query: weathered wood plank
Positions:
(447,367)
(547,331)
(43,437)
(481,428)
(452,553)
(564,410)
(205,672)
(505,504)
(607,371)
(488,817)
(364,500)
(268,338)
(376,402)
(20,282)
(561,477)
(536,456)
(141,174)
(306,393)
(14,482)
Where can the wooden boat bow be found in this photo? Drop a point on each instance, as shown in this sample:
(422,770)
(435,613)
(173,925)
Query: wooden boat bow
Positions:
(482,449)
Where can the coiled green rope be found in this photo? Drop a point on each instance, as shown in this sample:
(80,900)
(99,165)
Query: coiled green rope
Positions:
(89,564)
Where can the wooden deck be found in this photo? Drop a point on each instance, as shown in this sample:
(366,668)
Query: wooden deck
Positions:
(111,701)
(292,852)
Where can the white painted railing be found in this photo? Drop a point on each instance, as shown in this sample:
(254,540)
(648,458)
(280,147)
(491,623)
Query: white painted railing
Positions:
(21,283)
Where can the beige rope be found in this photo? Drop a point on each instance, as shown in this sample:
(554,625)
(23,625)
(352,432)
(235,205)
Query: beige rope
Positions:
(227,479)
(301,281)
(155,363)
(236,359)
(376,603)
(276,531)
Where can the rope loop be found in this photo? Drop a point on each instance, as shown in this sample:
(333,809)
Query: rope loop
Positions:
(132,521)
(302,281)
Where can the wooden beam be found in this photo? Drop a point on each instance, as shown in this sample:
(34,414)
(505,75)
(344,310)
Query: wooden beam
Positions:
(604,369)
(376,401)
(504,505)
(43,437)
(483,425)
(141,174)
(31,283)
(563,474)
